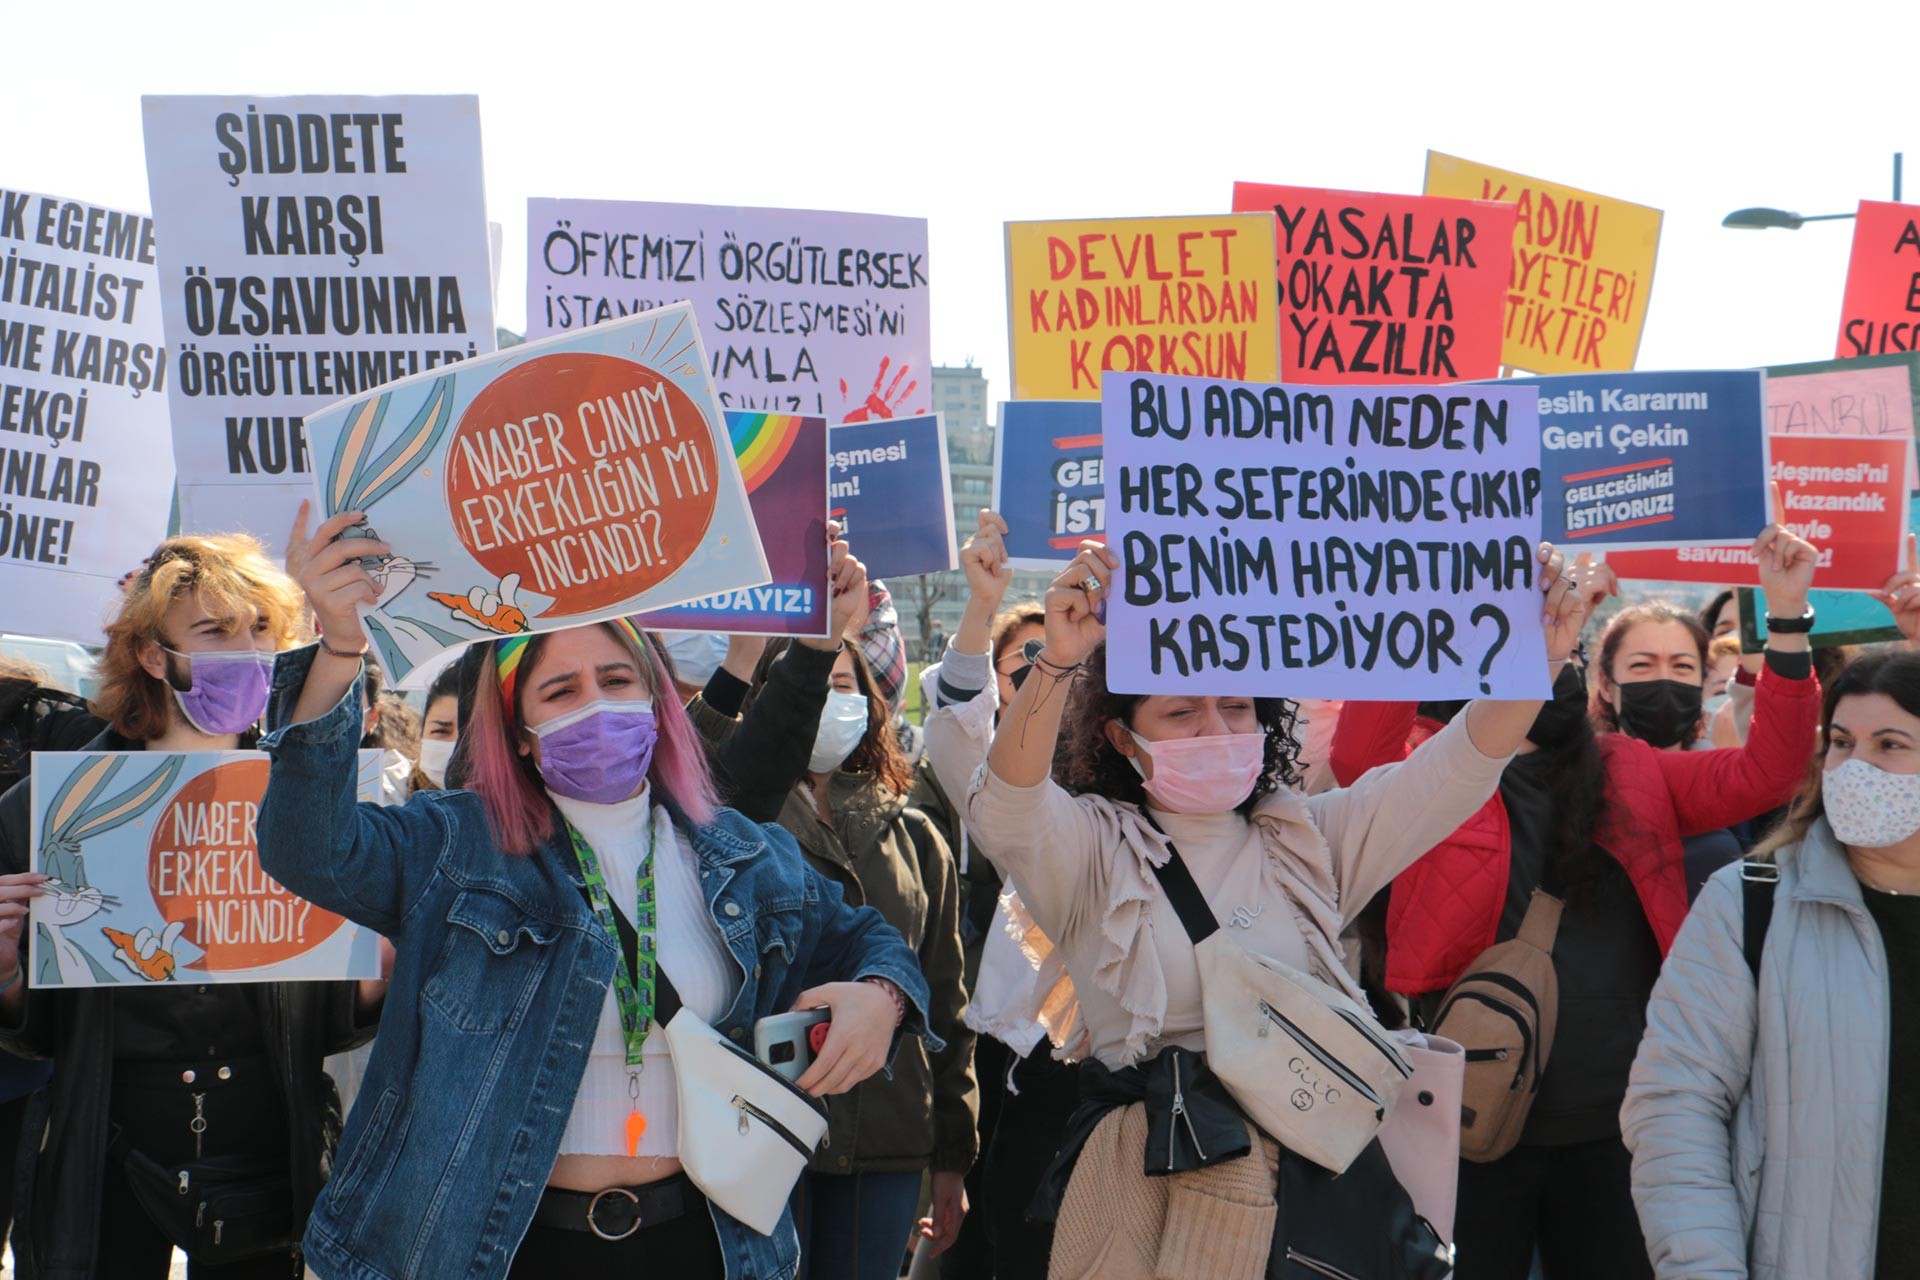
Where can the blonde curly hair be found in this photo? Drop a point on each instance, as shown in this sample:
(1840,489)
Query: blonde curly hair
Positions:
(231,578)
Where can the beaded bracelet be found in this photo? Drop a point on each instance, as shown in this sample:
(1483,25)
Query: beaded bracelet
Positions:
(899,1000)
(1053,670)
(361,652)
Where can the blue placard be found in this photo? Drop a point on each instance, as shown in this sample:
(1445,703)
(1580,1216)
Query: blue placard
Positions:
(1048,482)
(887,486)
(1648,460)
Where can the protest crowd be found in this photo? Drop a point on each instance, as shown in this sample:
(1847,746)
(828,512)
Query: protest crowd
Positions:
(496,843)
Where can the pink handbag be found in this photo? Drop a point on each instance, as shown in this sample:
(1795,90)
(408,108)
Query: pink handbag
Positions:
(1422,1132)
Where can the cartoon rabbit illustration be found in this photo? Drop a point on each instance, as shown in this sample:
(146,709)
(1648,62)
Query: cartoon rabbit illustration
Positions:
(75,816)
(357,478)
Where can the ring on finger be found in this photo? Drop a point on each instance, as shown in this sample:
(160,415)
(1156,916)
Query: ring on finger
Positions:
(1090,584)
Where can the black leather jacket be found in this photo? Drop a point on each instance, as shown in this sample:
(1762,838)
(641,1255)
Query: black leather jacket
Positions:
(57,1186)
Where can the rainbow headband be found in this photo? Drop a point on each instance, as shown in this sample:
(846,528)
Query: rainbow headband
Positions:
(508,655)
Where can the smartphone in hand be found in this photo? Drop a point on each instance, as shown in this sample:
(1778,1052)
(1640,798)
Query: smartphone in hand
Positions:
(788,1042)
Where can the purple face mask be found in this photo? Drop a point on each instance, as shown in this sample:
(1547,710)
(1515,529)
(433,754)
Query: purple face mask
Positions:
(227,690)
(600,753)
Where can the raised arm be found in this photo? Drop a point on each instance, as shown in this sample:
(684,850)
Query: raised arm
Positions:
(1390,816)
(760,761)
(367,862)
(1022,752)
(1690,1074)
(1713,789)
(984,562)
(336,585)
(960,689)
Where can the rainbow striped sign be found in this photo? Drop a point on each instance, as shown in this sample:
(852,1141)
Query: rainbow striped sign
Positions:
(783,460)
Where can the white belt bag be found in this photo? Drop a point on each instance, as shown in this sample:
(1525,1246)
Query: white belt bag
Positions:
(1307,1064)
(746,1133)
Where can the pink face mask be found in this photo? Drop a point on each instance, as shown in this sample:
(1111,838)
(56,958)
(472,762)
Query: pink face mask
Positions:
(1201,775)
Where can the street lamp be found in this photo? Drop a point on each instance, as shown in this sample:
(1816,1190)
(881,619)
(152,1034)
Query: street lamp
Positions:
(1760,219)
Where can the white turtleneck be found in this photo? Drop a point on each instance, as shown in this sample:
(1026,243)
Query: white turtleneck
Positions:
(691,951)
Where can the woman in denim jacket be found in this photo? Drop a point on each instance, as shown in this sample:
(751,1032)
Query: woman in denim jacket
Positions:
(500,1130)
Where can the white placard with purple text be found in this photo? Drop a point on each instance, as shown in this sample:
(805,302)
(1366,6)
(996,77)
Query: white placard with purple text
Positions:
(804,311)
(1335,542)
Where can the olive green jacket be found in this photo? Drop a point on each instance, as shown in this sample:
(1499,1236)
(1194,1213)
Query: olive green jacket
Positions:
(890,857)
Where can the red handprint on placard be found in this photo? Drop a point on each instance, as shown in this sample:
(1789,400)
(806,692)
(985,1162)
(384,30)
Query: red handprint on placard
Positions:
(880,404)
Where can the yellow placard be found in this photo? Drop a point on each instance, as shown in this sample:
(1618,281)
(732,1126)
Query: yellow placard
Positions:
(1189,296)
(1582,268)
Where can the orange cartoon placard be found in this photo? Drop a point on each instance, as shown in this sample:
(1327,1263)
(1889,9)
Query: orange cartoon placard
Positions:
(154,876)
(582,477)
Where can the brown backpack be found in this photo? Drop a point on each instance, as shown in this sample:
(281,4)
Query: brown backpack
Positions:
(1502,1011)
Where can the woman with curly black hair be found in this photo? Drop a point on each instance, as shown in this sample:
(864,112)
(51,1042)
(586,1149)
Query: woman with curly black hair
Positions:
(1283,872)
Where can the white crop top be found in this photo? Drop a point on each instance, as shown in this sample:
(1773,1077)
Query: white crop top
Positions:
(691,951)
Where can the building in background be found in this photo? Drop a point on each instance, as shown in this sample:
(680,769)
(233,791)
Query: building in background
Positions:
(933,602)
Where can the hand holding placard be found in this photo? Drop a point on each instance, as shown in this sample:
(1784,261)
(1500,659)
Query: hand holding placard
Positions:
(1076,606)
(16,891)
(847,583)
(1594,582)
(299,539)
(1566,606)
(1902,593)
(984,560)
(1787,562)
(337,582)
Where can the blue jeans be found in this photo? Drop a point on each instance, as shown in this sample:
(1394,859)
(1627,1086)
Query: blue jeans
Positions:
(855,1226)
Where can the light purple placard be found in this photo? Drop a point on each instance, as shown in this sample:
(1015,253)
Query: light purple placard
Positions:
(1280,486)
(804,311)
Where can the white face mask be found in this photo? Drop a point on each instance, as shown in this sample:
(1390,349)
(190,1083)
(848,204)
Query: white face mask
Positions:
(435,755)
(1869,808)
(843,722)
(696,655)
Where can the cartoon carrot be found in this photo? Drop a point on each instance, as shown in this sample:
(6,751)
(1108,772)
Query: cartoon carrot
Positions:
(146,955)
(497,611)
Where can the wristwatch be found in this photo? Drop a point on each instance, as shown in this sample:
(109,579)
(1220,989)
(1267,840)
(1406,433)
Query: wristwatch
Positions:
(1791,626)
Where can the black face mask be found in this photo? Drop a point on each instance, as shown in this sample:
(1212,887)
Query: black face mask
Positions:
(1562,715)
(1661,713)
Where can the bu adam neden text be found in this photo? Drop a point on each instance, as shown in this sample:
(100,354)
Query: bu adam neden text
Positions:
(1356,560)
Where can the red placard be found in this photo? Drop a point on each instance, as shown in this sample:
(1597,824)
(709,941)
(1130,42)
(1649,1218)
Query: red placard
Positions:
(1881,312)
(1379,289)
(1846,495)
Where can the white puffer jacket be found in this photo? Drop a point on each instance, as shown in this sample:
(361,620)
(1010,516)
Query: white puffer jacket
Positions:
(1757,1126)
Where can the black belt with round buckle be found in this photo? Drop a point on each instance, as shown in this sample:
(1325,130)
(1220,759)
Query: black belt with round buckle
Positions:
(617,1212)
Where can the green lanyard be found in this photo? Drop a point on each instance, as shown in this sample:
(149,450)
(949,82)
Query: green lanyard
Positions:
(633,991)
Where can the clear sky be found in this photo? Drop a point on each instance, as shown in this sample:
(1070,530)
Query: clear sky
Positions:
(974,114)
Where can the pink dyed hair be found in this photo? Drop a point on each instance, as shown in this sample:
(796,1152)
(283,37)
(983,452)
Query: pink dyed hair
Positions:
(509,786)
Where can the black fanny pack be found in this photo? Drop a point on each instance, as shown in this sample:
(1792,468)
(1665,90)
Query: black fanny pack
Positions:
(1358,1225)
(214,1211)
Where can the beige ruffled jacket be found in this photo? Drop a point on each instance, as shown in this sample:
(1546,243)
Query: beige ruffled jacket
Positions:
(1093,905)
(1084,865)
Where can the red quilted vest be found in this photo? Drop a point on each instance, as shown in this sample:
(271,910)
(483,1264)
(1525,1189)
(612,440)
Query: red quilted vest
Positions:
(1445,908)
